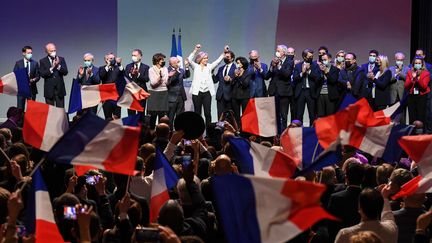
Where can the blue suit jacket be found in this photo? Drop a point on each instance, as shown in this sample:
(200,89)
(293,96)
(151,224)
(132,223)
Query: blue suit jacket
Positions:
(366,69)
(225,88)
(257,83)
(92,80)
(34,73)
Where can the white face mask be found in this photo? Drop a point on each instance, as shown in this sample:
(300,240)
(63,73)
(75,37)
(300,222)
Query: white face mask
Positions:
(399,63)
(53,54)
(135,59)
(238,66)
(278,55)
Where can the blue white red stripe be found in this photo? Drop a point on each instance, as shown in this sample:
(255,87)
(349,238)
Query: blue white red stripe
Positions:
(16,83)
(259,117)
(131,97)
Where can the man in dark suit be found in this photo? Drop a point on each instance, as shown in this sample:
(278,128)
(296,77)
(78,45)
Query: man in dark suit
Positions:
(176,91)
(53,68)
(225,78)
(344,204)
(306,76)
(257,84)
(112,72)
(88,74)
(281,69)
(328,90)
(371,68)
(138,73)
(353,78)
(32,70)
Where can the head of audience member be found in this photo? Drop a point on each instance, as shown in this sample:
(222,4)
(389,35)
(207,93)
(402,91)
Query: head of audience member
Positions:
(383,173)
(418,127)
(222,165)
(23,163)
(340,57)
(136,56)
(253,56)
(225,136)
(383,63)
(165,119)
(149,164)
(399,58)
(321,51)
(158,60)
(421,53)
(171,215)
(146,150)
(242,62)
(51,50)
(326,59)
(3,143)
(415,200)
(27,52)
(110,59)
(174,62)
(365,237)
(369,179)
(134,212)
(229,57)
(4,197)
(18,148)
(307,55)
(202,58)
(328,176)
(281,51)
(398,178)
(350,60)
(94,227)
(184,197)
(347,152)
(354,172)
(290,52)
(295,123)
(6,132)
(65,200)
(371,204)
(162,131)
(418,63)
(373,54)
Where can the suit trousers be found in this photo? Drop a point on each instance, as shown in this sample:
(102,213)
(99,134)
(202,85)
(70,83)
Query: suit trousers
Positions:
(154,116)
(417,108)
(304,99)
(110,108)
(285,104)
(223,105)
(175,108)
(21,101)
(236,105)
(325,106)
(56,100)
(200,101)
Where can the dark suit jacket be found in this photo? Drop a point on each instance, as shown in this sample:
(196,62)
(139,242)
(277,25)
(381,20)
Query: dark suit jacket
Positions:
(225,88)
(366,69)
(140,79)
(313,78)
(334,89)
(344,205)
(280,82)
(92,80)
(34,73)
(241,89)
(257,86)
(357,79)
(176,91)
(382,89)
(54,79)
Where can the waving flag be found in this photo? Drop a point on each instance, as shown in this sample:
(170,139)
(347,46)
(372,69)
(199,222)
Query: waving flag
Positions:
(257,209)
(164,179)
(256,159)
(40,214)
(131,97)
(85,96)
(259,117)
(43,125)
(419,148)
(92,141)
(16,83)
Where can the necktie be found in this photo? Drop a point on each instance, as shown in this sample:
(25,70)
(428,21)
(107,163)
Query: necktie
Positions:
(28,67)
(225,71)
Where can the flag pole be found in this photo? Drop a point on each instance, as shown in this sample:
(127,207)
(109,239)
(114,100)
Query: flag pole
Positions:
(32,172)
(127,185)
(5,155)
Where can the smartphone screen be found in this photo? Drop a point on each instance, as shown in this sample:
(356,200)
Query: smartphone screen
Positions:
(69,212)
(186,159)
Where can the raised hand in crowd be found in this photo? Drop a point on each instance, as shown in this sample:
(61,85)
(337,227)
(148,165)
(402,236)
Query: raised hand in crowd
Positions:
(83,215)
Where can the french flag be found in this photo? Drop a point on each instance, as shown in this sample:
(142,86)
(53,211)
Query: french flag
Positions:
(105,145)
(85,96)
(131,96)
(257,209)
(259,117)
(164,179)
(40,214)
(256,159)
(43,125)
(419,148)
(16,83)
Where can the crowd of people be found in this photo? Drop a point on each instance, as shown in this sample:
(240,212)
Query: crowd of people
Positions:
(111,207)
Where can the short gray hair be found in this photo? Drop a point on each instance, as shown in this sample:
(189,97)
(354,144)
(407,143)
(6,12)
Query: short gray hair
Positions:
(88,54)
(284,48)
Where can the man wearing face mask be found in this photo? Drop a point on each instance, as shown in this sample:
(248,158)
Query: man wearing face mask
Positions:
(327,88)
(352,77)
(225,76)
(399,72)
(306,77)
(279,73)
(321,51)
(138,73)
(371,68)
(32,68)
(176,91)
(88,74)
(53,68)
(257,84)
(112,72)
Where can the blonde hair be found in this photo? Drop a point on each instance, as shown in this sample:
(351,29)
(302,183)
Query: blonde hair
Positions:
(200,56)
(384,64)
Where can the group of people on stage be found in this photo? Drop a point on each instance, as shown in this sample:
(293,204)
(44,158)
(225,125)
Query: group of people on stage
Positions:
(318,85)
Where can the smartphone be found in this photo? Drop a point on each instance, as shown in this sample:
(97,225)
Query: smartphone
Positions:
(187,142)
(186,160)
(69,212)
(21,230)
(147,235)
(92,179)
(220,124)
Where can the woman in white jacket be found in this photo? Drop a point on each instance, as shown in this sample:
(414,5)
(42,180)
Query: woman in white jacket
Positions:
(202,87)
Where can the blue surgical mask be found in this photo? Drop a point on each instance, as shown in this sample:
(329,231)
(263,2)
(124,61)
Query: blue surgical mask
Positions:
(399,63)
(238,66)
(340,59)
(87,63)
(28,56)
(326,62)
(417,66)
(372,59)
